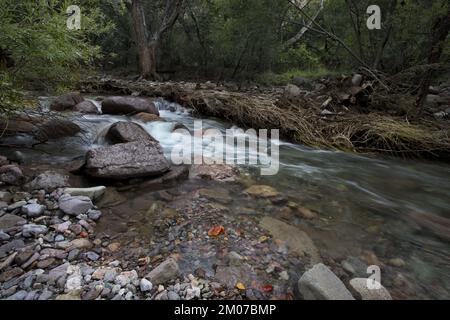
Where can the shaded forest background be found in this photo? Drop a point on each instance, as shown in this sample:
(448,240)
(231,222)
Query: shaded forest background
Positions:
(265,41)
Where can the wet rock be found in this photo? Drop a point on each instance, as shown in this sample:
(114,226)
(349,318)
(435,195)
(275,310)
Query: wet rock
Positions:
(320,283)
(219,195)
(397,262)
(75,205)
(87,107)
(66,101)
(93,193)
(57,128)
(361,288)
(145,285)
(215,172)
(127,160)
(111,198)
(262,191)
(16,205)
(5,196)
(296,240)
(147,117)
(33,230)
(11,174)
(164,272)
(4,236)
(94,215)
(128,105)
(33,210)
(123,132)
(354,266)
(48,181)
(10,220)
(306,213)
(231,275)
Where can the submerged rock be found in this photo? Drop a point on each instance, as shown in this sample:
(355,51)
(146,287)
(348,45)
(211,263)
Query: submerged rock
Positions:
(320,283)
(362,290)
(262,191)
(48,181)
(122,132)
(11,174)
(66,101)
(296,240)
(127,160)
(128,105)
(57,128)
(147,117)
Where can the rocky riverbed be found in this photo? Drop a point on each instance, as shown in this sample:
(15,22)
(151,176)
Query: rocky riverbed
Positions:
(159,231)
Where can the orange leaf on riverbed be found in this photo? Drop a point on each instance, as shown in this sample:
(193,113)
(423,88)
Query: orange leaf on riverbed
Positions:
(267,288)
(216,231)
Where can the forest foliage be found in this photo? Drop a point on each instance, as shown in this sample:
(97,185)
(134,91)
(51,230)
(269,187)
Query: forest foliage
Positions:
(211,39)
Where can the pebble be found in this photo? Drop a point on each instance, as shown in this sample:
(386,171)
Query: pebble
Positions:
(145,285)
(92,256)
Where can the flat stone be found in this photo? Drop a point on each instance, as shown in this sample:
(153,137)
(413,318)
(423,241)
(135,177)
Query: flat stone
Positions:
(33,230)
(320,283)
(296,240)
(93,193)
(361,287)
(9,246)
(75,205)
(16,205)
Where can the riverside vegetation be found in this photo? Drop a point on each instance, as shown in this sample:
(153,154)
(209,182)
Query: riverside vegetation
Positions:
(91,206)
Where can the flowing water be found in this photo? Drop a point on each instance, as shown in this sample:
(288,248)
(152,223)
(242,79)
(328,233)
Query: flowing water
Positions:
(392,208)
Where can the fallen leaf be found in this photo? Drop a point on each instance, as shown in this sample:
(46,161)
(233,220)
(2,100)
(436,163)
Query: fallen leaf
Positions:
(240,286)
(216,231)
(267,288)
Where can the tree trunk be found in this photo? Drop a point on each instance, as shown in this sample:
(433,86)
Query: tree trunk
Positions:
(440,30)
(146,51)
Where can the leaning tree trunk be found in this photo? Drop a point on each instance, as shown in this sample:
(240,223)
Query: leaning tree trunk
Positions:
(440,31)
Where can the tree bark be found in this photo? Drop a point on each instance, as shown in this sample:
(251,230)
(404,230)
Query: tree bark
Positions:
(440,31)
(146,54)
(146,45)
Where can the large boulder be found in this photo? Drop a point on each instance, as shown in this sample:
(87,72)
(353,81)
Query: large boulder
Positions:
(127,160)
(122,132)
(128,105)
(320,283)
(66,101)
(86,107)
